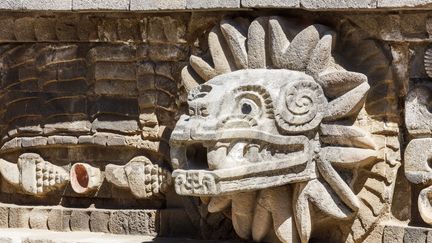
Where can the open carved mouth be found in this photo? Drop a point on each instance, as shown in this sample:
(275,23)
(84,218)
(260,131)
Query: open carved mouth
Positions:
(237,164)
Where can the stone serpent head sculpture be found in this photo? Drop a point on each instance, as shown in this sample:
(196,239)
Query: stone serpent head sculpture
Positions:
(264,134)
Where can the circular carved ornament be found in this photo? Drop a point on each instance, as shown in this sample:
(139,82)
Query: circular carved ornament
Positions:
(301,106)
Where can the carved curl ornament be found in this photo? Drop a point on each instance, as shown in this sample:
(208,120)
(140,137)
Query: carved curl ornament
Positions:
(264,134)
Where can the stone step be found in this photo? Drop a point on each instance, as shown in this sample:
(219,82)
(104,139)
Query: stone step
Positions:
(45,236)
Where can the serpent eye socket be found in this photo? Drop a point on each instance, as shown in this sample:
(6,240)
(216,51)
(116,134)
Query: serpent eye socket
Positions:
(249,107)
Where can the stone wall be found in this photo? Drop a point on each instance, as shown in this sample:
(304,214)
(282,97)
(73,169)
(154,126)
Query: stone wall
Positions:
(272,121)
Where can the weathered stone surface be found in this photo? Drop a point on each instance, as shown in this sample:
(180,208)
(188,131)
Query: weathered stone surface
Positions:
(4,217)
(19,217)
(208,4)
(39,219)
(99,221)
(118,223)
(270,3)
(80,221)
(335,4)
(157,5)
(283,124)
(46,4)
(300,99)
(140,176)
(100,4)
(393,234)
(58,220)
(403,3)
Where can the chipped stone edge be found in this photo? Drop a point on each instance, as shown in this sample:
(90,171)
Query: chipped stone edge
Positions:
(192,5)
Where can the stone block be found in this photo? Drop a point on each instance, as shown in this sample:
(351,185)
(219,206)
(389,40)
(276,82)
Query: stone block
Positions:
(157,5)
(80,221)
(100,4)
(47,4)
(10,4)
(118,222)
(404,3)
(4,217)
(338,4)
(19,217)
(24,29)
(415,235)
(99,221)
(58,220)
(39,218)
(7,32)
(270,3)
(139,223)
(115,70)
(208,4)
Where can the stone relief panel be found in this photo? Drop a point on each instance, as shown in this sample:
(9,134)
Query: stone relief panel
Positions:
(282,133)
(89,102)
(417,153)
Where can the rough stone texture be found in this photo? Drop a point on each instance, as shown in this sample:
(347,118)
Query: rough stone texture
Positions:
(19,217)
(100,4)
(141,5)
(46,4)
(335,4)
(299,101)
(293,123)
(209,4)
(43,236)
(404,3)
(99,222)
(80,221)
(270,3)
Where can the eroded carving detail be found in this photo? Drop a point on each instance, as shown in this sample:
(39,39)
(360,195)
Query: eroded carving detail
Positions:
(263,133)
(33,175)
(418,152)
(141,176)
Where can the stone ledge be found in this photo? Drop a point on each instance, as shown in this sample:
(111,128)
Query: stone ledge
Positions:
(178,5)
(43,236)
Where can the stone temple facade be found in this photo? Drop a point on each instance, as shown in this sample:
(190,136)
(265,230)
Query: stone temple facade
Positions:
(287,121)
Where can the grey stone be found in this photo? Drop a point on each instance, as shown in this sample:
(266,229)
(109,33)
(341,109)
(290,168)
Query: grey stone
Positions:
(100,4)
(19,217)
(11,4)
(39,218)
(139,223)
(157,5)
(58,220)
(415,235)
(118,222)
(294,70)
(270,3)
(62,140)
(99,221)
(404,3)
(80,221)
(4,217)
(208,4)
(338,4)
(47,4)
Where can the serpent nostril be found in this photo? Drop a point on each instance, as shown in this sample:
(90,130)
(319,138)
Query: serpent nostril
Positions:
(191,112)
(204,112)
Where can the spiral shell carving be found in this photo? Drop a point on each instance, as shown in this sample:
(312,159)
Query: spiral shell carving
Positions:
(300,107)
